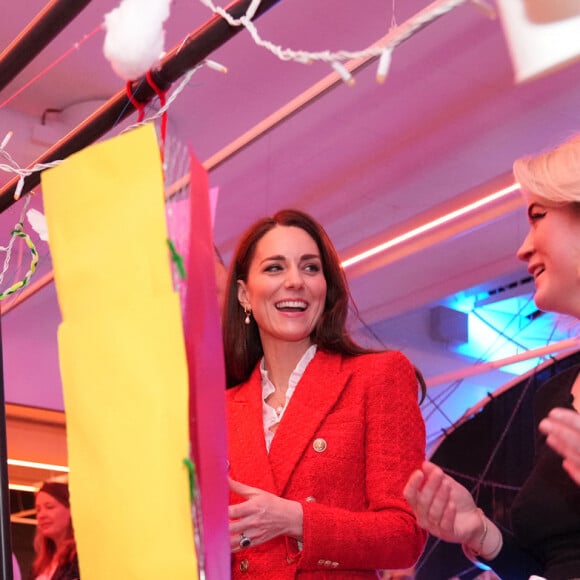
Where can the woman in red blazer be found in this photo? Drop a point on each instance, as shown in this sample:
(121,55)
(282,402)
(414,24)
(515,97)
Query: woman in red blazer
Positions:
(323,434)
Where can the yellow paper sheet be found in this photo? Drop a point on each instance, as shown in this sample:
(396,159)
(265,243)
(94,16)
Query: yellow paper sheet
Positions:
(122,361)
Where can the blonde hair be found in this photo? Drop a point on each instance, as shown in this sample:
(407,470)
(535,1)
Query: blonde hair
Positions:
(553,176)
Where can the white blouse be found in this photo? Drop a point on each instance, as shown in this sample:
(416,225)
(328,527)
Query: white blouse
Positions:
(273,416)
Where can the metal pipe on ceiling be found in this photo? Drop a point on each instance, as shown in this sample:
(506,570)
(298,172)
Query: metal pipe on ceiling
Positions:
(182,58)
(47,24)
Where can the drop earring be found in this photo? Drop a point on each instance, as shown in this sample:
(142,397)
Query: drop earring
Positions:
(248,312)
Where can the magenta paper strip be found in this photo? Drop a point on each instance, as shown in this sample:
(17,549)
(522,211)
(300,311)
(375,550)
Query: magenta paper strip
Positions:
(206,380)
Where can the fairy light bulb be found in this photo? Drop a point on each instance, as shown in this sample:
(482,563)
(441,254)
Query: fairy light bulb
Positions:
(6,139)
(343,72)
(19,188)
(384,65)
(215,66)
(303,58)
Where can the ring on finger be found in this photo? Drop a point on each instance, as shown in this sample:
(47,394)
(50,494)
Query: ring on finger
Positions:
(245,542)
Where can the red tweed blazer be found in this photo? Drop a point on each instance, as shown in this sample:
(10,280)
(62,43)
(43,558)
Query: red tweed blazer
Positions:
(349,439)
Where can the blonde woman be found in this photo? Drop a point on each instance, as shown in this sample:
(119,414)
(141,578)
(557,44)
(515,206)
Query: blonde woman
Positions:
(546,512)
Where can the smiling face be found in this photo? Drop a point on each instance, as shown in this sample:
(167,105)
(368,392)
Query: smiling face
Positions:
(552,251)
(285,286)
(52,516)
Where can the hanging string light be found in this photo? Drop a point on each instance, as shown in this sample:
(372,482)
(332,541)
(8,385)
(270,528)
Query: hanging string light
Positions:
(383,51)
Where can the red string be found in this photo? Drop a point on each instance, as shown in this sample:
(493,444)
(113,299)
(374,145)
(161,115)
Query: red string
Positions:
(74,47)
(161,95)
(139,106)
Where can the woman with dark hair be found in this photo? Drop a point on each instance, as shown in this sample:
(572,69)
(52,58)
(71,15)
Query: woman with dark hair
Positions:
(322,432)
(54,542)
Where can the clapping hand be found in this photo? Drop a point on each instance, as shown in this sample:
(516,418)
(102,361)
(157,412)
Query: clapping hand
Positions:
(562,428)
(442,506)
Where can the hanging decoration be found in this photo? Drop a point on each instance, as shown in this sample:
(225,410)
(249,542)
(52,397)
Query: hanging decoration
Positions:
(134,40)
(381,50)
(123,362)
(18,233)
(135,36)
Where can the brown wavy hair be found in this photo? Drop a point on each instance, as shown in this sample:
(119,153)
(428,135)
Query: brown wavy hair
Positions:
(44,547)
(242,344)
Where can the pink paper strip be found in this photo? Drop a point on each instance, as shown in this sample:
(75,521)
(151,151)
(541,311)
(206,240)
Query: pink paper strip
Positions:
(206,379)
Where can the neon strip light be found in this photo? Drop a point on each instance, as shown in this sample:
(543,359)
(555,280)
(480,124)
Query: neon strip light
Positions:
(36,465)
(430,225)
(19,487)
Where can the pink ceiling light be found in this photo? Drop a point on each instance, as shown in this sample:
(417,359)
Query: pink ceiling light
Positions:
(431,225)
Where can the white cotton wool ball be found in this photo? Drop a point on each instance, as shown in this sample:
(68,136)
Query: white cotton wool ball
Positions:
(135,36)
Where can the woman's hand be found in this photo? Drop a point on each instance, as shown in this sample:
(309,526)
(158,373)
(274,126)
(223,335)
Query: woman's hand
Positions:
(262,516)
(444,507)
(562,428)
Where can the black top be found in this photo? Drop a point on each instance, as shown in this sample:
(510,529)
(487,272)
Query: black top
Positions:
(546,512)
(68,571)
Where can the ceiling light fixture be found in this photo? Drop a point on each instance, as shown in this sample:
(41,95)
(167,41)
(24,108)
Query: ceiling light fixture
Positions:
(471,207)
